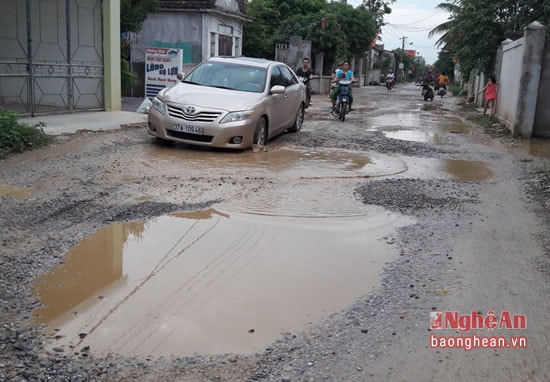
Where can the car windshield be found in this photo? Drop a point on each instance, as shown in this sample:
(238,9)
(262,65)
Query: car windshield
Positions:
(228,76)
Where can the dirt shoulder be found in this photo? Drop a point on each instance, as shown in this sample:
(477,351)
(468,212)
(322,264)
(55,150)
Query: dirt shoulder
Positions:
(475,246)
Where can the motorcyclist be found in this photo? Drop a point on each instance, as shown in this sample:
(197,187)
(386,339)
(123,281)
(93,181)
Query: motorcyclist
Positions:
(344,73)
(443,80)
(390,75)
(306,72)
(429,79)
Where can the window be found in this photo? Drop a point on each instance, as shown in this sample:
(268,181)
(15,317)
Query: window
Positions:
(288,77)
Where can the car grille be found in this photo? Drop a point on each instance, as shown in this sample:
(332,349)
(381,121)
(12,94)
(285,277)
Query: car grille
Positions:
(189,137)
(203,116)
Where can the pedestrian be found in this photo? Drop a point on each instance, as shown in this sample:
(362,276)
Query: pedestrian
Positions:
(490,95)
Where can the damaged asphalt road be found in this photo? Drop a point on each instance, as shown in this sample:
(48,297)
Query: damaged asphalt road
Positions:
(477,207)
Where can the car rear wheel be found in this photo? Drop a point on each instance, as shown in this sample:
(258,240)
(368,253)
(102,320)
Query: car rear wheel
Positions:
(260,135)
(298,121)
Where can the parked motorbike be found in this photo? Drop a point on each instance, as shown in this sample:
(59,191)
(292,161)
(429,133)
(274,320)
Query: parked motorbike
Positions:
(305,81)
(342,101)
(390,82)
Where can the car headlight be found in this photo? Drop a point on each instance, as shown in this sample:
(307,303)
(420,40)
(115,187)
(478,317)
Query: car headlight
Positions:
(159,105)
(238,116)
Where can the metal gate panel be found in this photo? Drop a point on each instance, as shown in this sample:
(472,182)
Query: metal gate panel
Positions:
(64,72)
(87,56)
(13,56)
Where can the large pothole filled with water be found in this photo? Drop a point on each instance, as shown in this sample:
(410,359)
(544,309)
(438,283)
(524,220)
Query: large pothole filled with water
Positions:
(210,281)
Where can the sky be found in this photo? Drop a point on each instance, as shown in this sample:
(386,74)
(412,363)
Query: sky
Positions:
(412,19)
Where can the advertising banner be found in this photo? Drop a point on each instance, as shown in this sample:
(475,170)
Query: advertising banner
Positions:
(161,69)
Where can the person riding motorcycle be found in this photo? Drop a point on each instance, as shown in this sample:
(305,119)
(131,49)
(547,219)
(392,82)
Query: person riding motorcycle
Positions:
(429,79)
(390,76)
(442,81)
(344,73)
(306,72)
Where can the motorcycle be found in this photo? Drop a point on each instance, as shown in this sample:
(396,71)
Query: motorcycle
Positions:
(390,82)
(441,91)
(427,90)
(305,81)
(342,105)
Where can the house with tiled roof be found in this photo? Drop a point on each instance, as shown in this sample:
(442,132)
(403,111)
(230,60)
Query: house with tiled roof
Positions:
(201,28)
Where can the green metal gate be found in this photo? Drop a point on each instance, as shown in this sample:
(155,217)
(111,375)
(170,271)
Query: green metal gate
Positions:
(51,56)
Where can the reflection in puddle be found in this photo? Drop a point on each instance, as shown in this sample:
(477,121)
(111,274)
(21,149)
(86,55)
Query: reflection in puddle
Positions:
(466,171)
(534,146)
(299,163)
(452,169)
(210,282)
(15,192)
(455,126)
(401,120)
(416,136)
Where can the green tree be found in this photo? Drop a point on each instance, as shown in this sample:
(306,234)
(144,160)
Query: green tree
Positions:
(379,9)
(445,64)
(476,28)
(132,15)
(337,29)
(134,12)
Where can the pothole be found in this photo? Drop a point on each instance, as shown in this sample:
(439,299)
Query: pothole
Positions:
(287,161)
(416,136)
(210,282)
(15,192)
(457,170)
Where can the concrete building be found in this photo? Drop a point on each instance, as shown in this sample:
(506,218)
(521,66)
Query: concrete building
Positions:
(201,28)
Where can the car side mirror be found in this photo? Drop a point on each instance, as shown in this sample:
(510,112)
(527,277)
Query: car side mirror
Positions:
(180,76)
(278,89)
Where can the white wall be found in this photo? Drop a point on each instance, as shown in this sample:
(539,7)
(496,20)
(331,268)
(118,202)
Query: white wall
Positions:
(509,84)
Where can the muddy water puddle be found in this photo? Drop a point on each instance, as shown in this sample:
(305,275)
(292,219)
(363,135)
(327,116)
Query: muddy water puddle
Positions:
(418,127)
(15,192)
(210,281)
(416,136)
(287,161)
(457,170)
(536,147)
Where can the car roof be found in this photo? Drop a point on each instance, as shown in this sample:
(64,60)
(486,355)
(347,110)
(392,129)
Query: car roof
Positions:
(259,62)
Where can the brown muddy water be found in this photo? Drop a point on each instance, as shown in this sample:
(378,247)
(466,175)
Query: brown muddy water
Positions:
(286,161)
(419,127)
(458,170)
(210,281)
(15,192)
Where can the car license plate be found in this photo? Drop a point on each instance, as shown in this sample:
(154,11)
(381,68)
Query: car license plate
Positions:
(188,129)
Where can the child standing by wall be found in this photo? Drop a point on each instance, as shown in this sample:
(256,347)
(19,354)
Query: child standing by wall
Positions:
(490,95)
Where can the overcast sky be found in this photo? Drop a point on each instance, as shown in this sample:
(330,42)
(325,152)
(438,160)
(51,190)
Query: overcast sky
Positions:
(412,19)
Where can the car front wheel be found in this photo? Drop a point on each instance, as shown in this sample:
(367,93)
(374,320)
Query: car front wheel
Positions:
(260,135)
(297,126)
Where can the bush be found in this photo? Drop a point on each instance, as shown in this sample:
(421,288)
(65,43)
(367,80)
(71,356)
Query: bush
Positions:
(454,88)
(128,79)
(18,137)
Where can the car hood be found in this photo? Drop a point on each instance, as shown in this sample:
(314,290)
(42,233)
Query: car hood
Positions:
(210,97)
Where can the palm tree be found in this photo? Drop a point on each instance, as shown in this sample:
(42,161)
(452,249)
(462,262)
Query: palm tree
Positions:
(448,28)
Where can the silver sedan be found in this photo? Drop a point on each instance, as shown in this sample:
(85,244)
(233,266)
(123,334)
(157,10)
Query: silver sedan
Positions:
(229,102)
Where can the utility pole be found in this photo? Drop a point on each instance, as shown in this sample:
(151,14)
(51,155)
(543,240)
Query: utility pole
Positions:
(402,55)
(403,43)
